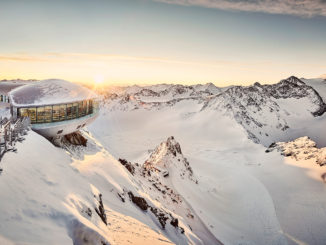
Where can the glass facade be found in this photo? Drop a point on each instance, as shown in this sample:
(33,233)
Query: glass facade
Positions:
(32,114)
(40,114)
(62,112)
(56,113)
(47,114)
(74,110)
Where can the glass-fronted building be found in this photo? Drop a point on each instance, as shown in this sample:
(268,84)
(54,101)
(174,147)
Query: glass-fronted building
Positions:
(55,107)
(59,112)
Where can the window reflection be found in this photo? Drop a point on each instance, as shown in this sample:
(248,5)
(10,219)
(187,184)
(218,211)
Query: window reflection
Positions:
(69,111)
(48,114)
(40,114)
(62,112)
(23,112)
(90,107)
(56,113)
(32,114)
(74,110)
(81,109)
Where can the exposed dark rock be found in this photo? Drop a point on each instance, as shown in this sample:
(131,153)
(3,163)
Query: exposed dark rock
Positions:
(160,215)
(75,138)
(100,210)
(127,165)
(174,148)
(165,174)
(121,197)
(87,211)
(175,222)
(139,201)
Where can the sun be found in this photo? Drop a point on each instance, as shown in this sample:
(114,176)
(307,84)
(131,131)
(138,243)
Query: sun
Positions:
(98,79)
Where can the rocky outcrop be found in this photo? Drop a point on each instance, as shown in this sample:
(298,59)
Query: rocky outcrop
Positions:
(139,201)
(127,165)
(100,209)
(75,138)
(259,109)
(168,157)
(161,215)
(302,148)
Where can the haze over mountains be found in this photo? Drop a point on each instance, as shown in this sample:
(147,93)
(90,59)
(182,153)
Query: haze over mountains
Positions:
(177,164)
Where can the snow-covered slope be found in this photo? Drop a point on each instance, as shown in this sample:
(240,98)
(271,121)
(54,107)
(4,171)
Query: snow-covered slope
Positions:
(268,113)
(78,200)
(243,193)
(319,84)
(236,178)
(176,167)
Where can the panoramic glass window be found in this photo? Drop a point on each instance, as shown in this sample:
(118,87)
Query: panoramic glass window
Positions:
(90,107)
(87,105)
(74,110)
(55,113)
(40,114)
(69,111)
(81,109)
(62,113)
(32,114)
(23,112)
(47,114)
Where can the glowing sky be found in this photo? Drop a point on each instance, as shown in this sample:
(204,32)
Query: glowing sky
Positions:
(173,41)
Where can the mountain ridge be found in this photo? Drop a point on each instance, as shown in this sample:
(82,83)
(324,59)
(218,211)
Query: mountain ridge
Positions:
(262,110)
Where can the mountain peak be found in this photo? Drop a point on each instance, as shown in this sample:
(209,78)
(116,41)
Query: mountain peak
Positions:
(165,151)
(294,80)
(168,157)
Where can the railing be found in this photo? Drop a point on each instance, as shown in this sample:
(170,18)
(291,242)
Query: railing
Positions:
(12,131)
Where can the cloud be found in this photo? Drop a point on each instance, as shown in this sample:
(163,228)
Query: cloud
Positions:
(303,8)
(104,59)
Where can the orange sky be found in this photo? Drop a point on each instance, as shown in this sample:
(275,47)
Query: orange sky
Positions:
(156,41)
(116,69)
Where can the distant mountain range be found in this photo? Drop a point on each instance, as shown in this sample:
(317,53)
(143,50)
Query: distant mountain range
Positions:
(266,112)
(175,164)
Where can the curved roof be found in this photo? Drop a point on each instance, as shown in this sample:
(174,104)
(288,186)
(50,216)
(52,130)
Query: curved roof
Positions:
(49,92)
(7,86)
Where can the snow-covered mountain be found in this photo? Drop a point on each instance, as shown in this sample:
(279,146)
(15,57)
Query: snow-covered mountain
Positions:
(92,200)
(268,113)
(301,148)
(173,164)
